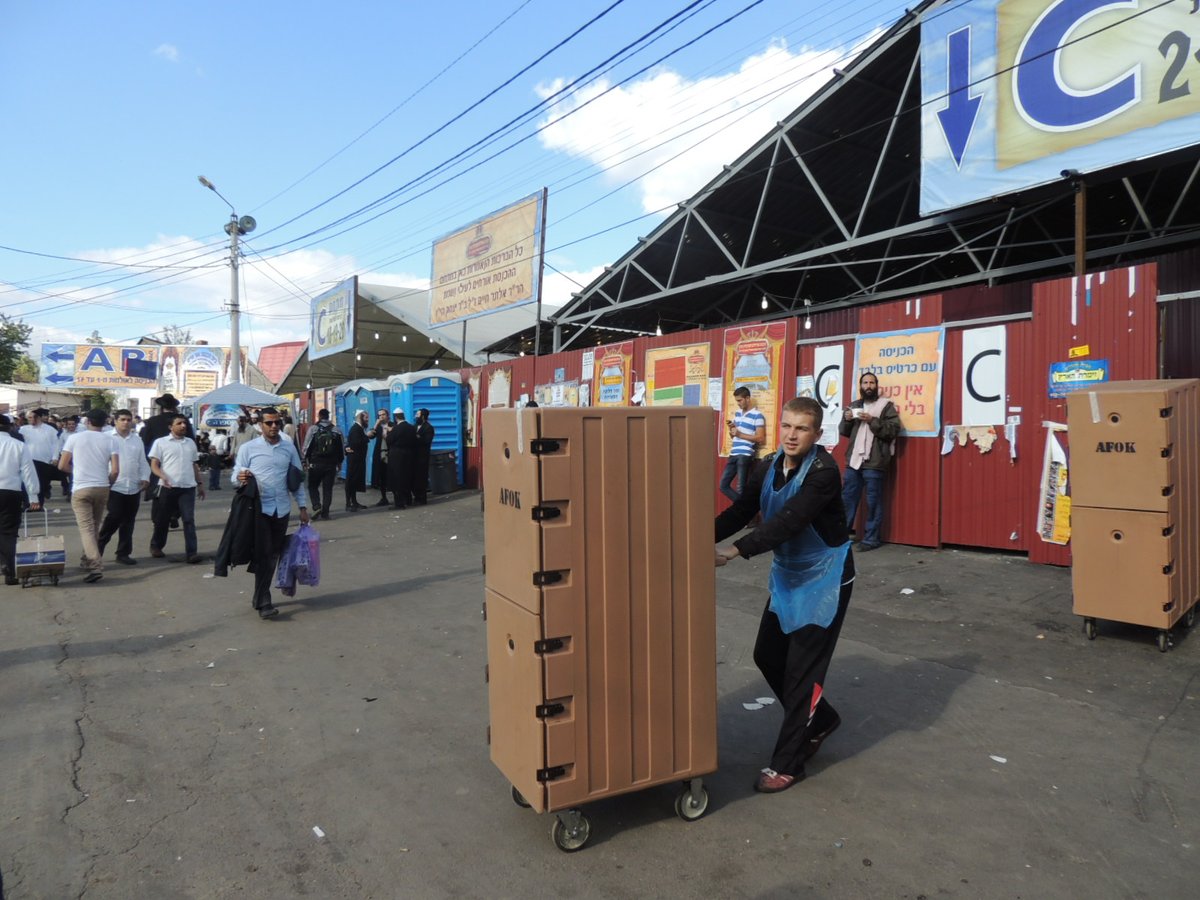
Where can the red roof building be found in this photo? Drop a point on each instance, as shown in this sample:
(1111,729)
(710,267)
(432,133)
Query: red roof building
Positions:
(277,359)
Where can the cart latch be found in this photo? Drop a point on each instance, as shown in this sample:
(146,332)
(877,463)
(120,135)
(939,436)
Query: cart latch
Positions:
(539,446)
(541,579)
(544,775)
(542,513)
(549,710)
(548,645)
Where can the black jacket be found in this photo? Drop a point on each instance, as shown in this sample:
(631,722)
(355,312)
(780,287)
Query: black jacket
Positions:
(401,440)
(245,531)
(886,429)
(817,503)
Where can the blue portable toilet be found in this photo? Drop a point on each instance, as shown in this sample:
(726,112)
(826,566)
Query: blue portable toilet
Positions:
(348,400)
(369,397)
(442,394)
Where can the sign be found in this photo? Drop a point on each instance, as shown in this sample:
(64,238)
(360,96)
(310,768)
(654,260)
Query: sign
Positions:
(331,320)
(754,360)
(677,376)
(220,415)
(908,365)
(557,393)
(1066,377)
(1014,92)
(612,374)
(499,388)
(829,389)
(985,363)
(183,370)
(492,264)
(1054,506)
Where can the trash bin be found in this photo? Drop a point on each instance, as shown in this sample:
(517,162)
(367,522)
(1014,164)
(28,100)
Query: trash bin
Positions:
(443,471)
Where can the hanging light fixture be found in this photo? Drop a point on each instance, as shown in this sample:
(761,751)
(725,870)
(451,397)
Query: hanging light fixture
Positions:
(807,314)
(404,338)
(377,335)
(658,329)
(764,303)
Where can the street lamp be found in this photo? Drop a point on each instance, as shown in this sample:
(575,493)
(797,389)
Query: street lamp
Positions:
(234,227)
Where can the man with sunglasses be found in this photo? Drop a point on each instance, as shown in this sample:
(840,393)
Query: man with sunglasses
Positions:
(267,460)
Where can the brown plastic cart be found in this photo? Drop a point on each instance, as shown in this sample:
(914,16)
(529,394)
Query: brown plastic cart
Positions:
(600,606)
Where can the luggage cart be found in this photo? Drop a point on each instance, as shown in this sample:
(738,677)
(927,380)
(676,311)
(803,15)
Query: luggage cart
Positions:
(39,557)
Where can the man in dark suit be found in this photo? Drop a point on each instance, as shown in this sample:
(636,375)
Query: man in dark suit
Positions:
(425,431)
(402,447)
(357,446)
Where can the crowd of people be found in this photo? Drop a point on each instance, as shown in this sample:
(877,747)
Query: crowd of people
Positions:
(108,464)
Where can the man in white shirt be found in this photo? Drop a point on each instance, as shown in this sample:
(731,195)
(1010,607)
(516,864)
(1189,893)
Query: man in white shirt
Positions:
(16,472)
(42,440)
(126,494)
(91,458)
(175,460)
(218,453)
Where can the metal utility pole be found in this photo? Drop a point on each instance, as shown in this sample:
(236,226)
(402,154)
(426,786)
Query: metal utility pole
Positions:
(235,227)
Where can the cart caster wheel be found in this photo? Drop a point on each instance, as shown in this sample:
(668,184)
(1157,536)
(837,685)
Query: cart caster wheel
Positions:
(691,808)
(570,830)
(1089,629)
(519,799)
(1189,618)
(1164,641)
(54,580)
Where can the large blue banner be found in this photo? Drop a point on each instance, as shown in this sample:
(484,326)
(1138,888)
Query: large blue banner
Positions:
(1019,93)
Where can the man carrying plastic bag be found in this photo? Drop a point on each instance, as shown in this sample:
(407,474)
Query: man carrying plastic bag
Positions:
(268,473)
(799,492)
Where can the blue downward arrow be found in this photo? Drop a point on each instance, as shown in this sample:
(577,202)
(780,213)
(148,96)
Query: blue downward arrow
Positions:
(59,379)
(958,117)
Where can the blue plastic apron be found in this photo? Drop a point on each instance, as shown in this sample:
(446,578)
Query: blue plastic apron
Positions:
(806,576)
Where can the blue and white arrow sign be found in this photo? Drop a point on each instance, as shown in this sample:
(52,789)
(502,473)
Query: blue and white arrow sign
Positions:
(1016,91)
(58,364)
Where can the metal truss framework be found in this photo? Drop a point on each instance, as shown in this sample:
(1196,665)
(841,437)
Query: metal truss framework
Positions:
(822,213)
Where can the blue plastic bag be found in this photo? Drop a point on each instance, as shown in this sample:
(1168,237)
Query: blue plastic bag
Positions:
(300,561)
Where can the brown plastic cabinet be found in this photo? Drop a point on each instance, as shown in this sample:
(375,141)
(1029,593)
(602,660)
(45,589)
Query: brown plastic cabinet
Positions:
(1135,503)
(601,606)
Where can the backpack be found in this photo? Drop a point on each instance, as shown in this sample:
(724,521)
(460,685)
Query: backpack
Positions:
(326,445)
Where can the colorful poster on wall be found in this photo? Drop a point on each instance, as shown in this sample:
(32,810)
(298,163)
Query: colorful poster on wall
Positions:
(1054,506)
(614,366)
(1068,377)
(908,365)
(677,376)
(829,364)
(557,393)
(753,359)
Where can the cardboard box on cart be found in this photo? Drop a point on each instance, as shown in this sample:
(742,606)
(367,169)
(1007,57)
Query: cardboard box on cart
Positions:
(41,555)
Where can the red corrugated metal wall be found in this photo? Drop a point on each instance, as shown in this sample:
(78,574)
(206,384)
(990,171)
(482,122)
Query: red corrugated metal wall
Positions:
(964,498)
(988,499)
(1118,322)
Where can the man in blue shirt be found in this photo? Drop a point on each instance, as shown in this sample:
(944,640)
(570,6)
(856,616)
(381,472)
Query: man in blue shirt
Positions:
(266,459)
(748,431)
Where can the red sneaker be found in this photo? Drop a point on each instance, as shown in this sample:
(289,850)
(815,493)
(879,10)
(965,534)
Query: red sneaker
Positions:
(772,782)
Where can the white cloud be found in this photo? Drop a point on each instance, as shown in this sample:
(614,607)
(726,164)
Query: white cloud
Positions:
(557,287)
(685,130)
(274,297)
(169,52)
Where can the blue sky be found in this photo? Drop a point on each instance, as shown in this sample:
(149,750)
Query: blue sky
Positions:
(112,109)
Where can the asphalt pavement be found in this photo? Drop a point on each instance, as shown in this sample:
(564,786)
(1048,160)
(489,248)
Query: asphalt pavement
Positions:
(158,740)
